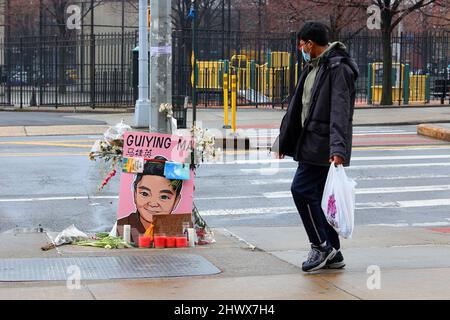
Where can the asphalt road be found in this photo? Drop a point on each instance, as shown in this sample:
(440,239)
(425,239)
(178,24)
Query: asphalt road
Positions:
(403,180)
(43,119)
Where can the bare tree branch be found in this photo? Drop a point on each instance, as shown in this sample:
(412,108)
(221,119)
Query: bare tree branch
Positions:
(418,5)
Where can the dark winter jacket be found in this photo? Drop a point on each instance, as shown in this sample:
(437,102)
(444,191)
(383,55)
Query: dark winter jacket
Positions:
(328,127)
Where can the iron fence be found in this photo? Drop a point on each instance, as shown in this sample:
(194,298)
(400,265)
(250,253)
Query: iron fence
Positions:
(98,70)
(420,67)
(267,66)
(81,71)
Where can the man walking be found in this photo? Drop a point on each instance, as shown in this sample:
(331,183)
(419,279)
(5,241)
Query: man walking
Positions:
(316,131)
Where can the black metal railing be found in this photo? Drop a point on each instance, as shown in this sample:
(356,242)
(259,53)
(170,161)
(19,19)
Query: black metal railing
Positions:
(81,71)
(267,66)
(98,71)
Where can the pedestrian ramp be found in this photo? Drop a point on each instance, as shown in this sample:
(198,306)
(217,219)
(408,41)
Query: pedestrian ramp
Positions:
(105,268)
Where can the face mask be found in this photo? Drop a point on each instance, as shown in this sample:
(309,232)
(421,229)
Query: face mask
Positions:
(306,56)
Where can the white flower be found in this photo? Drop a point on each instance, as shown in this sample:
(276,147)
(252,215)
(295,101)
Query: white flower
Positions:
(167,109)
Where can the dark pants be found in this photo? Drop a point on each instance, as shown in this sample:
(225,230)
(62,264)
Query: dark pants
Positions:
(307,189)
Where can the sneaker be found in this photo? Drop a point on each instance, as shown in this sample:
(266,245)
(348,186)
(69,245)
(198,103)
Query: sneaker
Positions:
(318,257)
(336,263)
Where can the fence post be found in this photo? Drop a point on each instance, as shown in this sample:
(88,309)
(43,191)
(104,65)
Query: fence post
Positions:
(369,83)
(427,89)
(21,72)
(8,70)
(406,85)
(92,71)
(233,102)
(41,75)
(56,71)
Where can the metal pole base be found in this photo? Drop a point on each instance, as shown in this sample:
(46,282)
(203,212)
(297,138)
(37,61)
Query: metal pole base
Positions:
(142,114)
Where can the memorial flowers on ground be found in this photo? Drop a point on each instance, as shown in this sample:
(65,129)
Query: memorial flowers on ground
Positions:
(110,152)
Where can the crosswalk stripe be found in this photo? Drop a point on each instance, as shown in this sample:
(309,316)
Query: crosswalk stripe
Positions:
(262,182)
(275,161)
(287,194)
(268,195)
(359,206)
(244,211)
(418,157)
(272,171)
(383,133)
(57,198)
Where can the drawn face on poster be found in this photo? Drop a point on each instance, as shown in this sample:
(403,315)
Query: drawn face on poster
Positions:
(150,192)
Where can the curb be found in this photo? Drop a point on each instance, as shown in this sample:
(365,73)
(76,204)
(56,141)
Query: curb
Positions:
(404,123)
(112,110)
(70,110)
(434,132)
(59,130)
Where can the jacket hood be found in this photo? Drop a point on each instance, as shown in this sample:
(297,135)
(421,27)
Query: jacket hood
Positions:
(337,50)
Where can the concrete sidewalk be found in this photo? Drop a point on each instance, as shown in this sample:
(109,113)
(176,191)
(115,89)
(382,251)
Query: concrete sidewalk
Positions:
(264,263)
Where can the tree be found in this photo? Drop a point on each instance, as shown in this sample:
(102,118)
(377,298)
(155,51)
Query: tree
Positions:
(338,15)
(57,9)
(392,12)
(207,15)
(346,14)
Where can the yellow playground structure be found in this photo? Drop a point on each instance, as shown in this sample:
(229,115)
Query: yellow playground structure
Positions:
(406,87)
(259,82)
(271,81)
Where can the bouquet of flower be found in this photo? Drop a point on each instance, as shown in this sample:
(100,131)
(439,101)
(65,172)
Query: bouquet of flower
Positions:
(167,109)
(110,149)
(103,240)
(205,149)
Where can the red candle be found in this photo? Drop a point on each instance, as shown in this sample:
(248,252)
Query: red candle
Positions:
(160,242)
(144,241)
(181,242)
(170,242)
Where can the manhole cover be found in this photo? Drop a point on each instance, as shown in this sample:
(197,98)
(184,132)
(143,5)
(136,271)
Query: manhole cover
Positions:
(103,268)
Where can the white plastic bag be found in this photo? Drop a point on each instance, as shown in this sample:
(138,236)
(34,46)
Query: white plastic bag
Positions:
(116,132)
(173,125)
(69,235)
(113,232)
(338,201)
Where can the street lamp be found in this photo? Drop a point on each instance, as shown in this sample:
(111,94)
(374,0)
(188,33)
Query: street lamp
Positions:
(142,111)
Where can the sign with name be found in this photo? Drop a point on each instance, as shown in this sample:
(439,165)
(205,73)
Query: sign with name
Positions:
(147,190)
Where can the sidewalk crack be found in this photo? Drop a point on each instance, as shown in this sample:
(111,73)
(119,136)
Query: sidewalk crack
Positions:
(90,292)
(340,289)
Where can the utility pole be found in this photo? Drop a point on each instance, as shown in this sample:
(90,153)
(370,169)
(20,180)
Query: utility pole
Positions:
(192,14)
(160,63)
(142,110)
